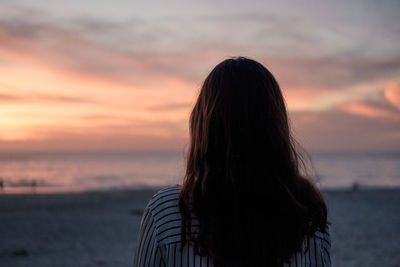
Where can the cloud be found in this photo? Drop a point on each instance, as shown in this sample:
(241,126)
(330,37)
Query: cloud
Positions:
(184,47)
(333,76)
(171,106)
(36,97)
(362,109)
(12,98)
(59,49)
(392,93)
(334,72)
(340,131)
(323,98)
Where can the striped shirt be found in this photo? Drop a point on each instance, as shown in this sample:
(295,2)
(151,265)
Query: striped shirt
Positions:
(159,238)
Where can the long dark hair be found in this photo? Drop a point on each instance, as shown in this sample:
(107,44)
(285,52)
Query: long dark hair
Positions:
(243,179)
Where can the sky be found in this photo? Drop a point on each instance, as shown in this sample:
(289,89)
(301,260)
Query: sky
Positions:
(124,75)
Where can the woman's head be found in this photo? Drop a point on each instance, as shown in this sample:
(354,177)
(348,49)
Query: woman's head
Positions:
(239,116)
(242,178)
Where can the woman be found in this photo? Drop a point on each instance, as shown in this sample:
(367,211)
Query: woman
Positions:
(244,201)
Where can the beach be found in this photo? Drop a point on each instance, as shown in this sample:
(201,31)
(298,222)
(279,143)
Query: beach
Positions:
(100,228)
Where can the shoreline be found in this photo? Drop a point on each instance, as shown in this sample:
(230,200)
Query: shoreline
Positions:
(63,191)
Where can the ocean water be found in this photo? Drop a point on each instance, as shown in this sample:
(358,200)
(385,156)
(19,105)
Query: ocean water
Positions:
(70,172)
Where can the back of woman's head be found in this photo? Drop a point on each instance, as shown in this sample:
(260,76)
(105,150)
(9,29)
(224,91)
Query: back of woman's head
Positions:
(243,181)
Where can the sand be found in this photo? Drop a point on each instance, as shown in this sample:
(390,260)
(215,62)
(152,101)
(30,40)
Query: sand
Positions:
(100,228)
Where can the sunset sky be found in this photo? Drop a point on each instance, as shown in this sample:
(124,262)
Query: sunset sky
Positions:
(112,75)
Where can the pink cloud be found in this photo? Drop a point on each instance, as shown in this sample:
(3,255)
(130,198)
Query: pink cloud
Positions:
(392,93)
(366,110)
(70,55)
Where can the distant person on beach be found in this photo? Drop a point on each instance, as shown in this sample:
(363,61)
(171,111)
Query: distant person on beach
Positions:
(1,185)
(244,200)
(33,186)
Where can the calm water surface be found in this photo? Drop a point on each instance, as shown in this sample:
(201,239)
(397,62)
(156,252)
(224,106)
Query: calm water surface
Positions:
(64,172)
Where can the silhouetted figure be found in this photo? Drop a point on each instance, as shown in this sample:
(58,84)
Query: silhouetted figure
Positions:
(244,200)
(1,185)
(33,186)
(355,186)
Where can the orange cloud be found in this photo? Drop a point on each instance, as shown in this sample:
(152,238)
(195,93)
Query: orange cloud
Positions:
(392,93)
(323,98)
(365,110)
(69,56)
(301,98)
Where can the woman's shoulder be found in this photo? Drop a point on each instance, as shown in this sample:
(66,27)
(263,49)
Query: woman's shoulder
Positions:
(164,209)
(164,198)
(166,193)
(319,247)
(324,237)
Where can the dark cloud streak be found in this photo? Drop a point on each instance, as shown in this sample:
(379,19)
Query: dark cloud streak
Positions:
(36,97)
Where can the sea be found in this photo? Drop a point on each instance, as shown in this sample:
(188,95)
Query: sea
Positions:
(45,172)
